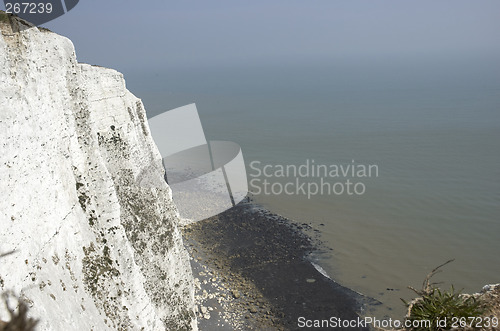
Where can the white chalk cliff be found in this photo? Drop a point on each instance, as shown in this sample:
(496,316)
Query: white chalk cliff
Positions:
(83,203)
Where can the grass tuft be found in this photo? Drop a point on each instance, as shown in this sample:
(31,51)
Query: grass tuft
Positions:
(440,308)
(19,319)
(4,17)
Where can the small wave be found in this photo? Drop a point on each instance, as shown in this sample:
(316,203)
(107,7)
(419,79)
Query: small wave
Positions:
(321,270)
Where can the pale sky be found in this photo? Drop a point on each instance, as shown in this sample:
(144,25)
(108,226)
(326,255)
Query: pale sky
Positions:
(155,35)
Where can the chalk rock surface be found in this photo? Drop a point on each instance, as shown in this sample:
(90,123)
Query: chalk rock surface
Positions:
(84,206)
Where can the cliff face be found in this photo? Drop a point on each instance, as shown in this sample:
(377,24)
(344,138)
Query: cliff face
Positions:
(83,202)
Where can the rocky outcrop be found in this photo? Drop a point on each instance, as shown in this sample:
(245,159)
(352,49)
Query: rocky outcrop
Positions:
(83,206)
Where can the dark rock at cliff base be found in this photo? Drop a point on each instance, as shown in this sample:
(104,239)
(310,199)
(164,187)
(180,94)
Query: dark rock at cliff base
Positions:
(264,256)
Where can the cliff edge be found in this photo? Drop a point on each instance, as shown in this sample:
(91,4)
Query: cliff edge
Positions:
(84,207)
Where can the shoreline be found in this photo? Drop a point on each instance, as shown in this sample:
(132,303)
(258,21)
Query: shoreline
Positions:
(252,272)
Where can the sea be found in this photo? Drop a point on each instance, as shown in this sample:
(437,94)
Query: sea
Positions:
(431,129)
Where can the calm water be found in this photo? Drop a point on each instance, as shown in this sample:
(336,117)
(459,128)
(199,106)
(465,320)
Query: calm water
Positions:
(432,129)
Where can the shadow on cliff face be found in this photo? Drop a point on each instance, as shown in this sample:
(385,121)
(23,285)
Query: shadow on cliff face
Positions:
(263,256)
